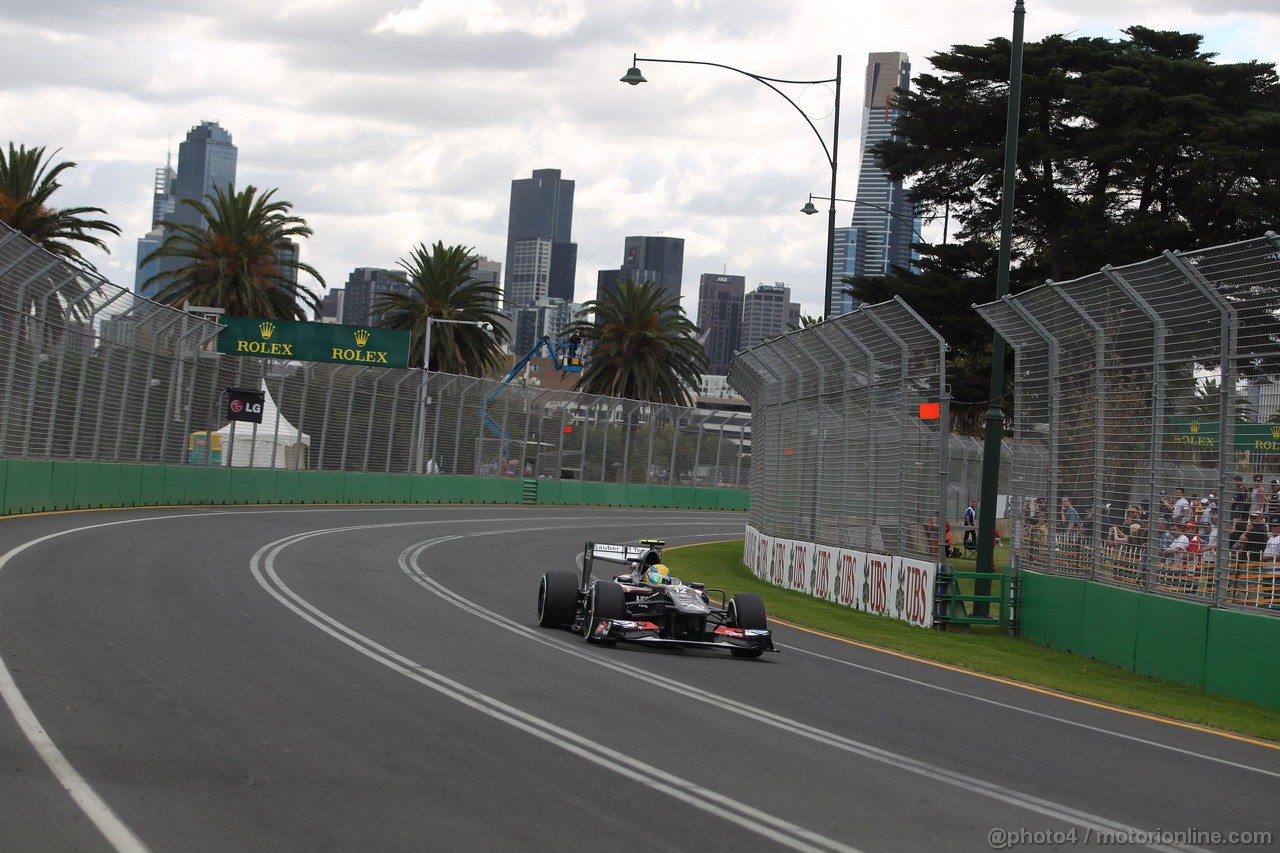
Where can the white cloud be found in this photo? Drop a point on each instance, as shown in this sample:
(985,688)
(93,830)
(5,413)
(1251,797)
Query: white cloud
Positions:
(483,17)
(388,124)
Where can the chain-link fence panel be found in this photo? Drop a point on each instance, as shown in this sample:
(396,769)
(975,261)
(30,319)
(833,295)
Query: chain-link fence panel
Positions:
(841,455)
(1149,387)
(93,372)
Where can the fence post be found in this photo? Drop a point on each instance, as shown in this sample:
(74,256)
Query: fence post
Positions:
(1157,406)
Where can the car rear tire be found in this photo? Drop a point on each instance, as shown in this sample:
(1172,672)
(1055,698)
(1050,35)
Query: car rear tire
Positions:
(746,610)
(605,601)
(557,600)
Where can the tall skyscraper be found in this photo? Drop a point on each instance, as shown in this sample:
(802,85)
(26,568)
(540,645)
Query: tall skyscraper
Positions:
(662,256)
(883,218)
(206,158)
(767,311)
(656,259)
(542,260)
(720,300)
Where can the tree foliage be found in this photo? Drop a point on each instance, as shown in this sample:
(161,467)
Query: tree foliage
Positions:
(641,346)
(1126,148)
(28,179)
(442,285)
(951,280)
(234,262)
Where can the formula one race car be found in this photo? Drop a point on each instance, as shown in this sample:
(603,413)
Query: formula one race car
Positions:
(647,606)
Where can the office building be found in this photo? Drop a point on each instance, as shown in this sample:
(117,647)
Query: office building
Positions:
(164,199)
(883,215)
(206,159)
(360,296)
(542,258)
(331,306)
(607,280)
(487,271)
(547,317)
(661,259)
(528,271)
(767,311)
(720,300)
(656,259)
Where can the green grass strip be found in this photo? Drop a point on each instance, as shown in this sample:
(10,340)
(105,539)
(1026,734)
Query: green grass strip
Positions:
(985,649)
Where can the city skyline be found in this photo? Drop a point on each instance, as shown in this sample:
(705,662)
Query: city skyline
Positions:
(206,159)
(389,124)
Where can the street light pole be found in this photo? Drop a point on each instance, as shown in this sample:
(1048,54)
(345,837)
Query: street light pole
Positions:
(994,435)
(633,77)
(420,434)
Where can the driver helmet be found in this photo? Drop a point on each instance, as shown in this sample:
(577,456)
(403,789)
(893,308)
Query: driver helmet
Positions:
(658,573)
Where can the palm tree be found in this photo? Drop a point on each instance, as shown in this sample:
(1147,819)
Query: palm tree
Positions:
(234,262)
(641,346)
(442,285)
(27,180)
(805,321)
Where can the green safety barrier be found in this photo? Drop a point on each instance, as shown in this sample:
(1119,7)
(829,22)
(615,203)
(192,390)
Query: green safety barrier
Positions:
(1221,651)
(35,485)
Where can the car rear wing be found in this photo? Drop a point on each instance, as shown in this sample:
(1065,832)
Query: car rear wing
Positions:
(622,555)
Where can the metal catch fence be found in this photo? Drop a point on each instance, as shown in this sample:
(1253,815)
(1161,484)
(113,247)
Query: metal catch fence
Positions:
(93,372)
(841,456)
(1153,390)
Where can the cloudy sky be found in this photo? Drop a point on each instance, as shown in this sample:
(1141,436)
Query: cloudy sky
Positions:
(393,122)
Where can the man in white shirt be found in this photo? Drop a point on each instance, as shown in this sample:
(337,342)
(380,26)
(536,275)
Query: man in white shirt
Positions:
(1178,542)
(1181,506)
(1271,554)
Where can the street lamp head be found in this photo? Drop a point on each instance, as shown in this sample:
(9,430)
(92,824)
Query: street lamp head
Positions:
(808,207)
(633,76)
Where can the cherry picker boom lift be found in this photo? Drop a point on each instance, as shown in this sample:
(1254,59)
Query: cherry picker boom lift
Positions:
(570,361)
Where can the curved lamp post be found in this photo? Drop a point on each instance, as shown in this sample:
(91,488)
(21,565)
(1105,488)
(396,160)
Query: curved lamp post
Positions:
(633,77)
(809,209)
(420,437)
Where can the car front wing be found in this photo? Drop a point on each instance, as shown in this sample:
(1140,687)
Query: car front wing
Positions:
(647,634)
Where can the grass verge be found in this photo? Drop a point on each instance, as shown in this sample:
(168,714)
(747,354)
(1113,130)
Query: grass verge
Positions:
(986,650)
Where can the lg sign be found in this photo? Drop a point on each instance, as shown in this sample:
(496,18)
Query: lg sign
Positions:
(243,405)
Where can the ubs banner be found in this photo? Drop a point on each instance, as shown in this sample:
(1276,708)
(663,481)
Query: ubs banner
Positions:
(286,339)
(897,587)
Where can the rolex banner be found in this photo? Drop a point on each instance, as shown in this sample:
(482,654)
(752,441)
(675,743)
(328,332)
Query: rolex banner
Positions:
(289,340)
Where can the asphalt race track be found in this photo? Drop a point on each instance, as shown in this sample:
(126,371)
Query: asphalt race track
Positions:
(372,679)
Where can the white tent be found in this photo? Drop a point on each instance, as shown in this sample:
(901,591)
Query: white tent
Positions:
(274,443)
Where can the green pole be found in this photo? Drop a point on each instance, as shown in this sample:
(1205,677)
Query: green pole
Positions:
(995,414)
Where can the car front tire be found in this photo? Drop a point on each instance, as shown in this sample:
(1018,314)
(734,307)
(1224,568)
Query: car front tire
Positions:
(746,610)
(605,601)
(557,600)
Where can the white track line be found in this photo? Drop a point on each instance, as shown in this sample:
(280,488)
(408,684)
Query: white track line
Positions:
(634,770)
(1041,714)
(112,827)
(105,820)
(1067,814)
